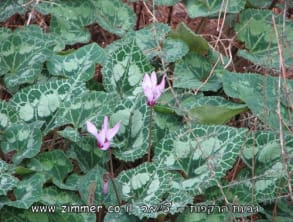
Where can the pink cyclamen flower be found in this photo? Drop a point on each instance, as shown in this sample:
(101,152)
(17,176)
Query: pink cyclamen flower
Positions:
(150,88)
(105,135)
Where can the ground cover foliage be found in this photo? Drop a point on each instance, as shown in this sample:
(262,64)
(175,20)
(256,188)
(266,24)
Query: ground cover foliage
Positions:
(220,135)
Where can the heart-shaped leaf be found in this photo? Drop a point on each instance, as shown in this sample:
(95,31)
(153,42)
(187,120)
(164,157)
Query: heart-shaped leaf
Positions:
(149,37)
(68,19)
(22,138)
(193,72)
(7,180)
(213,7)
(203,153)
(22,55)
(134,117)
(124,70)
(196,43)
(27,192)
(114,16)
(148,186)
(53,164)
(255,29)
(85,107)
(252,89)
(80,62)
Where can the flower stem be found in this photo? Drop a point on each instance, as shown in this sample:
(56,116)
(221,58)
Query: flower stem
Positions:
(112,176)
(111,163)
(116,191)
(150,134)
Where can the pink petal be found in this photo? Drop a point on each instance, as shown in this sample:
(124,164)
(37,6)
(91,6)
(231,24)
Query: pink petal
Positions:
(101,137)
(146,82)
(149,94)
(161,86)
(157,93)
(91,128)
(154,79)
(105,123)
(112,132)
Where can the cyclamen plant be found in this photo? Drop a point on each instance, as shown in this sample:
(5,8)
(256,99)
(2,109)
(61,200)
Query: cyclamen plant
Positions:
(152,91)
(103,139)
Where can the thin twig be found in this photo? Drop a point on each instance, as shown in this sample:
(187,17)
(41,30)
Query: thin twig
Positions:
(154,19)
(281,134)
(209,76)
(223,22)
(32,12)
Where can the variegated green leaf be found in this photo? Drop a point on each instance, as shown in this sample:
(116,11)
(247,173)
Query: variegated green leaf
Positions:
(41,101)
(256,30)
(28,191)
(68,19)
(53,196)
(86,106)
(22,55)
(171,55)
(193,70)
(212,7)
(152,191)
(124,70)
(24,139)
(265,188)
(263,153)
(8,115)
(84,149)
(9,8)
(203,153)
(79,63)
(114,16)
(7,180)
(57,198)
(253,88)
(71,182)
(149,39)
(91,188)
(53,164)
(134,116)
